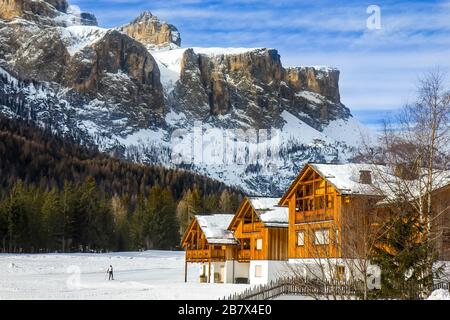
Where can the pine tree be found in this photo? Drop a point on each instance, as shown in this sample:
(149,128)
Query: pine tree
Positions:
(18,214)
(3,225)
(188,207)
(137,226)
(403,258)
(211,203)
(121,223)
(52,222)
(163,225)
(225,202)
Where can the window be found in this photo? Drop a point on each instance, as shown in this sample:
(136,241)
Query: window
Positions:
(340,273)
(258,271)
(203,270)
(321,237)
(330,202)
(246,243)
(259,244)
(300,238)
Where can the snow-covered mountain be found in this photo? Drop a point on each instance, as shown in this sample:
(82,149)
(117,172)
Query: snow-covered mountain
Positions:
(234,114)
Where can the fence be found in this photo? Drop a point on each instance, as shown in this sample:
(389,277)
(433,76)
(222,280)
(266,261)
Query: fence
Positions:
(302,287)
(294,286)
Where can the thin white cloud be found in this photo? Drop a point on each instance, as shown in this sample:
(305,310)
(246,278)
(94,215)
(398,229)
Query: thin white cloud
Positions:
(379,69)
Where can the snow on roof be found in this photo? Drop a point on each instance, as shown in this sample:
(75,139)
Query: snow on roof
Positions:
(346,179)
(269,212)
(215,228)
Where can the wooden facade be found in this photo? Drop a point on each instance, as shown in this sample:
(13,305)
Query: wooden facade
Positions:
(257,241)
(441,230)
(324,222)
(318,210)
(323,219)
(198,249)
(314,213)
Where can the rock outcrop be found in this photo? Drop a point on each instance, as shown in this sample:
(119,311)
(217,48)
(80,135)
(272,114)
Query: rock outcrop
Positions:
(44,12)
(119,68)
(108,66)
(150,31)
(128,90)
(254,85)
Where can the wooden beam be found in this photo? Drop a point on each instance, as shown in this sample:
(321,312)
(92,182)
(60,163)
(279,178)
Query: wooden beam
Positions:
(209,270)
(185,268)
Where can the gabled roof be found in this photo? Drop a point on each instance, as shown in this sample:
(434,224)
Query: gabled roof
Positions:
(267,211)
(345,179)
(215,228)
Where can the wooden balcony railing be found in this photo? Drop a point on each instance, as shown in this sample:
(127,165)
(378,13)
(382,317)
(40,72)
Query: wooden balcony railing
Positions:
(194,255)
(203,255)
(244,255)
(249,228)
(313,216)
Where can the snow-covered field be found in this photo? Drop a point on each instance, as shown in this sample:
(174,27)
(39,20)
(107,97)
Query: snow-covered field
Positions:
(138,275)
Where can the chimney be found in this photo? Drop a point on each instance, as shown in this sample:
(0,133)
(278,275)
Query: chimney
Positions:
(365,177)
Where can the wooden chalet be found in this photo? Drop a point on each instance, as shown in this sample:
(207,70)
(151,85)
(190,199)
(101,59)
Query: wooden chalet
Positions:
(208,241)
(331,205)
(261,228)
(325,201)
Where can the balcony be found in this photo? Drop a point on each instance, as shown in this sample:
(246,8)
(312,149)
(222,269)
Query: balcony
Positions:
(313,216)
(244,255)
(250,228)
(247,228)
(204,255)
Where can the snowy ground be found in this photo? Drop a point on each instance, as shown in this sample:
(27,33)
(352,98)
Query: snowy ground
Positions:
(139,275)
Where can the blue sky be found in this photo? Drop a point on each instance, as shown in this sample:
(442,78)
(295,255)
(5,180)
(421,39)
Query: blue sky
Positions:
(379,68)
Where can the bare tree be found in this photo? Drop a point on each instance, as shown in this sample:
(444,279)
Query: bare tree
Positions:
(414,153)
(341,262)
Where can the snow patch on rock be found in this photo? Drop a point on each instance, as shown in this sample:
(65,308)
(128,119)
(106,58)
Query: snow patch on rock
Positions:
(76,38)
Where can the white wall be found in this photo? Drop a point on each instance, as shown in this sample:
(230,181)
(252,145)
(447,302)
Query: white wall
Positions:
(271,270)
(319,267)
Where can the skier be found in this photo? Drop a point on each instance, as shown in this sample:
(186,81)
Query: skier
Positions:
(110,273)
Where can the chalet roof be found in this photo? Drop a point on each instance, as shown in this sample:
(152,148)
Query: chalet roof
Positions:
(215,228)
(269,212)
(345,177)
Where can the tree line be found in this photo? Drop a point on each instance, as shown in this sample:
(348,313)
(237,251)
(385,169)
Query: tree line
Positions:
(56,195)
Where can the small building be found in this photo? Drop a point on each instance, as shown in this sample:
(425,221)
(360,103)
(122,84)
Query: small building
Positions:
(208,242)
(261,228)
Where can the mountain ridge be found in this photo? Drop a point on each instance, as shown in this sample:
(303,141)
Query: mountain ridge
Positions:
(131,89)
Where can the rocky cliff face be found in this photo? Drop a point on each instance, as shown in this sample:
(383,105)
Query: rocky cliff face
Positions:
(246,83)
(133,92)
(91,63)
(153,33)
(48,12)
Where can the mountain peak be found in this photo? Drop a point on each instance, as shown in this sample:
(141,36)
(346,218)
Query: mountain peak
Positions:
(45,12)
(154,33)
(144,17)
